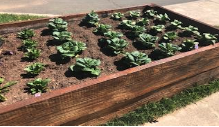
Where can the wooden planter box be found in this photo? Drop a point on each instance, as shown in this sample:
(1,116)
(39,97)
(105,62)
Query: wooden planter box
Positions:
(104,98)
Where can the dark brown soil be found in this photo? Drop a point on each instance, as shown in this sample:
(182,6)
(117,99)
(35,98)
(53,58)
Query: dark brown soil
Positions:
(12,66)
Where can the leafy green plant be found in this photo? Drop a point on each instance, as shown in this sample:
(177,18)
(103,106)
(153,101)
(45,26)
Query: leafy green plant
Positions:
(175,24)
(117,45)
(113,34)
(168,49)
(207,39)
(134,14)
(38,86)
(28,44)
(136,30)
(147,40)
(157,28)
(169,36)
(5,88)
(91,18)
(142,22)
(136,58)
(62,36)
(87,65)
(35,69)
(127,24)
(190,30)
(150,13)
(117,16)
(188,45)
(71,48)
(57,24)
(102,28)
(32,53)
(163,17)
(26,34)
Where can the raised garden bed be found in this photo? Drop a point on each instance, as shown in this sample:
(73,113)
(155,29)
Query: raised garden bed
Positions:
(78,99)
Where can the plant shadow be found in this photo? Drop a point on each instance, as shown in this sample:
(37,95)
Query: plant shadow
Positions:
(120,66)
(27,76)
(156,55)
(78,75)
(58,59)
(46,32)
(53,43)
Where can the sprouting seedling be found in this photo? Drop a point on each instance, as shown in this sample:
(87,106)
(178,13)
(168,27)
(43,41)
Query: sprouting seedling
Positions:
(57,24)
(71,48)
(62,36)
(32,53)
(168,49)
(134,14)
(169,36)
(117,45)
(136,58)
(91,18)
(113,34)
(207,39)
(142,22)
(117,16)
(157,29)
(188,45)
(150,13)
(35,68)
(190,30)
(175,24)
(147,40)
(127,24)
(87,65)
(28,44)
(26,34)
(5,88)
(38,86)
(102,28)
(163,18)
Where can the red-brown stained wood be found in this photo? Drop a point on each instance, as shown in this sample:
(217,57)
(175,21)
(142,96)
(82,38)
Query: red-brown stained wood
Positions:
(116,94)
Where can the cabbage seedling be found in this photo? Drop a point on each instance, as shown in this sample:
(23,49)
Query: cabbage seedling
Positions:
(87,65)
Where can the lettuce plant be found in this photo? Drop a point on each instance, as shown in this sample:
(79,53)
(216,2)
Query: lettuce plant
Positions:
(87,65)
(136,30)
(150,13)
(38,86)
(117,16)
(190,30)
(142,22)
(169,36)
(71,48)
(113,34)
(147,40)
(168,49)
(127,24)
(163,17)
(5,88)
(32,53)
(134,14)
(117,45)
(102,28)
(175,24)
(26,34)
(207,39)
(57,24)
(62,36)
(188,45)
(35,68)
(28,44)
(157,29)
(91,18)
(136,58)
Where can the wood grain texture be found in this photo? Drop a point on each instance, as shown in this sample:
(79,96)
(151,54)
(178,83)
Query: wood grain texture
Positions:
(104,98)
